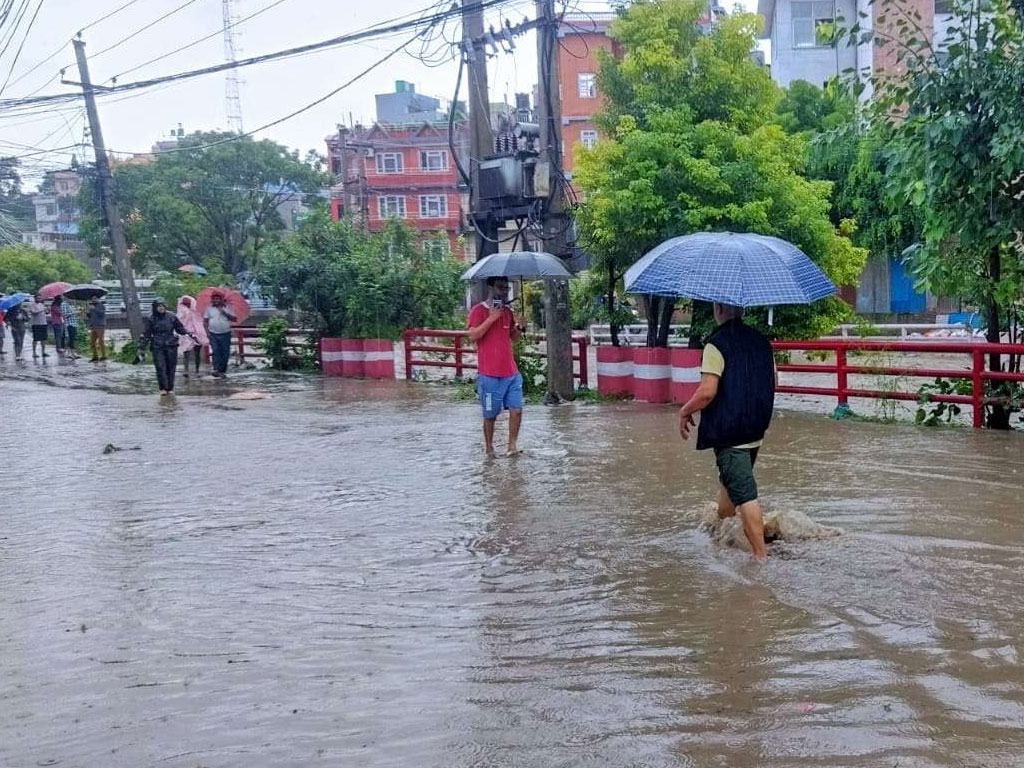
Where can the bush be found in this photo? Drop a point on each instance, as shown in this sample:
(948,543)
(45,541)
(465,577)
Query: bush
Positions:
(173,287)
(357,284)
(273,343)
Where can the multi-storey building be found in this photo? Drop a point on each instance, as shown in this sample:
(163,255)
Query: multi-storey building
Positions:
(802,48)
(58,215)
(402,169)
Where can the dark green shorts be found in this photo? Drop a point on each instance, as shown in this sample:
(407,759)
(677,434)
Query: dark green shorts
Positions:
(736,473)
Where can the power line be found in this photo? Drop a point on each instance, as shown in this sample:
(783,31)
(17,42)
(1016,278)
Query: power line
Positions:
(143,28)
(194,43)
(297,112)
(103,18)
(21,47)
(371,32)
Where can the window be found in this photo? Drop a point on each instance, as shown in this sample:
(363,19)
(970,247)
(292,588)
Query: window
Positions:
(434,160)
(391,206)
(437,248)
(588,139)
(813,24)
(943,7)
(433,206)
(587,82)
(389,162)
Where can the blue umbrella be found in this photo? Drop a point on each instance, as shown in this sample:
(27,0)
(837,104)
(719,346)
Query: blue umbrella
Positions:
(743,270)
(13,300)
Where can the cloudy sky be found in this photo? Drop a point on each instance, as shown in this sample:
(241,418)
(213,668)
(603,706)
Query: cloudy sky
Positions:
(132,122)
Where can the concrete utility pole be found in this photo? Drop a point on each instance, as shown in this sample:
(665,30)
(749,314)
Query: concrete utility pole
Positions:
(481,142)
(556,292)
(122,261)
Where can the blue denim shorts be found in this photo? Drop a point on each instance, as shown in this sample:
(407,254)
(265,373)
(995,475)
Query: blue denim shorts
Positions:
(497,394)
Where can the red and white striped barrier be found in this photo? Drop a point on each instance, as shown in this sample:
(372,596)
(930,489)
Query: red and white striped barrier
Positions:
(342,357)
(378,359)
(614,371)
(330,357)
(685,373)
(652,374)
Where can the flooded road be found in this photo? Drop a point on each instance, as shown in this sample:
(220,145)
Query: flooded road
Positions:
(335,577)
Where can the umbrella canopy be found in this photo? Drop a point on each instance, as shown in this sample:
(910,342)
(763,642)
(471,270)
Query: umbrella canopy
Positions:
(52,290)
(13,300)
(236,302)
(195,269)
(743,270)
(522,265)
(84,292)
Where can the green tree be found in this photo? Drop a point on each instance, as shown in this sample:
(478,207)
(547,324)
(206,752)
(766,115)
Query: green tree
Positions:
(210,201)
(357,284)
(693,145)
(957,157)
(23,268)
(806,108)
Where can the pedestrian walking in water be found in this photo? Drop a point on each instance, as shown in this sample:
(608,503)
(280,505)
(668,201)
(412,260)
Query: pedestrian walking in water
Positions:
(735,398)
(218,319)
(193,323)
(71,327)
(16,319)
(493,327)
(97,319)
(160,335)
(38,314)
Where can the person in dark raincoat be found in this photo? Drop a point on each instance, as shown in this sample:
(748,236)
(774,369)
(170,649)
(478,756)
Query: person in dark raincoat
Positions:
(160,335)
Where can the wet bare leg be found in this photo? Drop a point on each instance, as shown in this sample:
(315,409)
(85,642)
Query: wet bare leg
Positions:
(489,436)
(515,419)
(725,507)
(753,527)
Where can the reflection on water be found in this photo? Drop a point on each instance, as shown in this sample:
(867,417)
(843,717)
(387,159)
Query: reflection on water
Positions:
(335,577)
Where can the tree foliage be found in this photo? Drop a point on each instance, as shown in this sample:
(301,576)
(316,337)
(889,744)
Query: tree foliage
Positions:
(356,284)
(23,268)
(693,145)
(208,203)
(957,156)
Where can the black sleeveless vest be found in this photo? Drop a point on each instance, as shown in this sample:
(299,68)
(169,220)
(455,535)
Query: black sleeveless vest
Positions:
(742,409)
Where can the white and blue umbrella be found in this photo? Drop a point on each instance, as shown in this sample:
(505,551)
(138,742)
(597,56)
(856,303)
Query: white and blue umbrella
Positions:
(743,270)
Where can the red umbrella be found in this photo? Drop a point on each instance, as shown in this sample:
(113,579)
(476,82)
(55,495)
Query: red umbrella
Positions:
(52,290)
(235,301)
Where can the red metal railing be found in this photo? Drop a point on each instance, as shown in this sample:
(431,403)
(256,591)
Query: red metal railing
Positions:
(456,353)
(842,370)
(245,342)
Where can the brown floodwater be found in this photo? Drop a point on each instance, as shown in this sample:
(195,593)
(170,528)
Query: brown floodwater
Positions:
(334,577)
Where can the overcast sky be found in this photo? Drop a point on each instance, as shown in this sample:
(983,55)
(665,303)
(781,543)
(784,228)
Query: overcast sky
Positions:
(132,122)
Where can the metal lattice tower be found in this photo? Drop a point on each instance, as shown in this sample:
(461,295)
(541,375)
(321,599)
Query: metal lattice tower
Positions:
(232,99)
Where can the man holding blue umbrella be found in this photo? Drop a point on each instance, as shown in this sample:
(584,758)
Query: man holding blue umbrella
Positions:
(736,394)
(735,398)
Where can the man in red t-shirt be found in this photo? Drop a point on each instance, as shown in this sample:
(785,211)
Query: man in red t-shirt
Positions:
(493,327)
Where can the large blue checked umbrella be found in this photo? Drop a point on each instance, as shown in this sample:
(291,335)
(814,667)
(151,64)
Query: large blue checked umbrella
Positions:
(740,269)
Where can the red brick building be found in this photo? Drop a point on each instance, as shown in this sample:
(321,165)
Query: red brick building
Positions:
(401,171)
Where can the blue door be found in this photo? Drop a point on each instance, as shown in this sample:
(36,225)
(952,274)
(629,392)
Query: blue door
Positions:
(903,298)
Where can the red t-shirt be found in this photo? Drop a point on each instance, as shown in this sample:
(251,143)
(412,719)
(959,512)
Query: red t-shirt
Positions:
(494,351)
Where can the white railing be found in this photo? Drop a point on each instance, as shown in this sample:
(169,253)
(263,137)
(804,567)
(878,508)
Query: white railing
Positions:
(636,335)
(909,331)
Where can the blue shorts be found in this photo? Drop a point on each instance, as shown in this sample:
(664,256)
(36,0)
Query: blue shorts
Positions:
(497,394)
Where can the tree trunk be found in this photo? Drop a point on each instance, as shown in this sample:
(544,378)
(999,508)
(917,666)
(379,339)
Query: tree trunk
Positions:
(668,307)
(999,416)
(652,308)
(613,326)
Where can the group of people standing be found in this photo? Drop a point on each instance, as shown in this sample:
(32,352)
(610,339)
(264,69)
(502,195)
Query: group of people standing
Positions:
(187,331)
(59,320)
